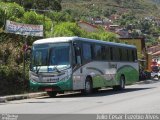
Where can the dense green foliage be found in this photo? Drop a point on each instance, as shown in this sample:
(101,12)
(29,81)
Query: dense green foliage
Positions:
(67,29)
(10,11)
(12,79)
(108,7)
(38,4)
(71,29)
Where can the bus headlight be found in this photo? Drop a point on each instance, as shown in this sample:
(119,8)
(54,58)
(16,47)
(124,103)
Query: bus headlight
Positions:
(65,78)
(33,78)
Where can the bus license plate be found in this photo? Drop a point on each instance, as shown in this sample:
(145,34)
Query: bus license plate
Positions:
(52,79)
(48,89)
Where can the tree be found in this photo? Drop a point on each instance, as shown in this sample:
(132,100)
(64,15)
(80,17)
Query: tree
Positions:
(103,35)
(56,5)
(60,17)
(71,29)
(38,19)
(118,1)
(67,29)
(47,4)
(10,11)
(39,4)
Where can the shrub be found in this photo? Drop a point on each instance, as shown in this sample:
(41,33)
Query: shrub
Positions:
(33,18)
(11,80)
(67,29)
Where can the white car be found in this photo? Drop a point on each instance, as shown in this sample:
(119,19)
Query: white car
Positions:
(155,75)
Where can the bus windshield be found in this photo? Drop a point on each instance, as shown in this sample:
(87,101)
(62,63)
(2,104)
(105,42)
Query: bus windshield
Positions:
(48,56)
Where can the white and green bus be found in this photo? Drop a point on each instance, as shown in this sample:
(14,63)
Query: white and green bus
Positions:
(80,64)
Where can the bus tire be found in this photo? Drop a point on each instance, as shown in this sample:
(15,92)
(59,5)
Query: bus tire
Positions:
(51,94)
(95,90)
(88,86)
(115,87)
(121,85)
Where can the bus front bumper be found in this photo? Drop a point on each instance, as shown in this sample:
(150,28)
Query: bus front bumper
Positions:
(59,86)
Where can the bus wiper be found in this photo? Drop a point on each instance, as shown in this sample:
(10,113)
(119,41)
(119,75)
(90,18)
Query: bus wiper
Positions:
(57,69)
(37,69)
(68,66)
(49,57)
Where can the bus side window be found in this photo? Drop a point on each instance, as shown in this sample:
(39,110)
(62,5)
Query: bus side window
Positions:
(104,57)
(107,53)
(120,54)
(130,55)
(98,52)
(87,52)
(135,53)
(133,56)
(116,56)
(111,53)
(115,53)
(77,54)
(124,54)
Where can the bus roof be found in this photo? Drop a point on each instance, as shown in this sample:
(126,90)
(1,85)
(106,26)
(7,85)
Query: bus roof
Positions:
(68,39)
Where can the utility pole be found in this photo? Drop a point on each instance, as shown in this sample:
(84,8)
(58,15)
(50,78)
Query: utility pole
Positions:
(44,28)
(44,19)
(24,55)
(4,19)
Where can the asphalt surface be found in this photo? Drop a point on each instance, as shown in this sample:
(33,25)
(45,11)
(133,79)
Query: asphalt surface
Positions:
(143,97)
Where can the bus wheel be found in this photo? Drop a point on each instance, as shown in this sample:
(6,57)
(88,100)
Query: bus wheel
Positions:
(51,93)
(122,83)
(95,90)
(88,86)
(121,86)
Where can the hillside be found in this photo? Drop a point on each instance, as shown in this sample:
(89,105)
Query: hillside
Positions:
(156,1)
(102,7)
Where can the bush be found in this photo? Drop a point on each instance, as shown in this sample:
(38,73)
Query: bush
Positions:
(67,29)
(11,80)
(11,68)
(37,19)
(72,29)
(60,17)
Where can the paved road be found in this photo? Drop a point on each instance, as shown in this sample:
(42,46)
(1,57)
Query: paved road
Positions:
(138,98)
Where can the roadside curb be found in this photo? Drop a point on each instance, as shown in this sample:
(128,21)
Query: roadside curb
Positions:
(147,81)
(5,99)
(21,96)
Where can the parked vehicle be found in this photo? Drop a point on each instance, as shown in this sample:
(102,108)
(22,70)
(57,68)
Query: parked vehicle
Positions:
(73,63)
(155,69)
(155,75)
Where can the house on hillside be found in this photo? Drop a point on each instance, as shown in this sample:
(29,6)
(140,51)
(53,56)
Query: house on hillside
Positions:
(97,21)
(155,52)
(87,26)
(153,49)
(123,33)
(114,17)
